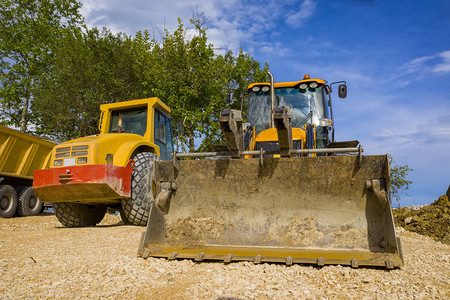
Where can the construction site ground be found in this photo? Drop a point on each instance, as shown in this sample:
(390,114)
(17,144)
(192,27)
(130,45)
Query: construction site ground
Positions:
(41,259)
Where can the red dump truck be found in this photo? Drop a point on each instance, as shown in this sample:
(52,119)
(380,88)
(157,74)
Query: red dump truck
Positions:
(20,155)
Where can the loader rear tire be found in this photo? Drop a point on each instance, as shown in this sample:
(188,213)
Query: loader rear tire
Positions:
(78,215)
(8,201)
(28,204)
(137,207)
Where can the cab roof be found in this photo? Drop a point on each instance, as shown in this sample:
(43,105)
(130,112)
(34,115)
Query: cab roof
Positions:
(287,84)
(154,101)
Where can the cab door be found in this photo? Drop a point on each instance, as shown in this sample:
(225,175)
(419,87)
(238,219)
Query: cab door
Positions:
(163,135)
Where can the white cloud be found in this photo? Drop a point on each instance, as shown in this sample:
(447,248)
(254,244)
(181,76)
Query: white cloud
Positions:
(437,63)
(306,10)
(443,67)
(416,64)
(231,23)
(418,68)
(278,49)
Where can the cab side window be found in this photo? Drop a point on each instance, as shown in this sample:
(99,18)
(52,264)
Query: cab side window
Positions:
(163,135)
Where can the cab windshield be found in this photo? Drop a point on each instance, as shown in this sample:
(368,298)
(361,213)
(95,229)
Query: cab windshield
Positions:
(133,120)
(307,106)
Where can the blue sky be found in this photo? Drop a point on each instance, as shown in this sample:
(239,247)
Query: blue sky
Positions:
(394,56)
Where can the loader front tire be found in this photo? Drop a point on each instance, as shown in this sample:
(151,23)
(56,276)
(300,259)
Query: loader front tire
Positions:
(78,215)
(8,201)
(137,207)
(29,204)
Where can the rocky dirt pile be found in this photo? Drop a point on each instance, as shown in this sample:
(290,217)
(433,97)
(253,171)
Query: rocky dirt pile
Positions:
(431,220)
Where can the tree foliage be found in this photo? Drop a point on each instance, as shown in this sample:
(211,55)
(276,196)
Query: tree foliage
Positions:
(91,68)
(398,181)
(180,67)
(193,80)
(29,30)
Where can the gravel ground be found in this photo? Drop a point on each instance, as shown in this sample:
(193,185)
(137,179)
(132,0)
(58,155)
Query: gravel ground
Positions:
(40,259)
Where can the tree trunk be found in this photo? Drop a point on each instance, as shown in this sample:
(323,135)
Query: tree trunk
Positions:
(191,142)
(23,118)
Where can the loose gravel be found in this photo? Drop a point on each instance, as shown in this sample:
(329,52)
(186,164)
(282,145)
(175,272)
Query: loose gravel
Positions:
(39,259)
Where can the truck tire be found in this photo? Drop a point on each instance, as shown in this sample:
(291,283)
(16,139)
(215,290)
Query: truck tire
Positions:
(137,207)
(78,215)
(8,201)
(29,204)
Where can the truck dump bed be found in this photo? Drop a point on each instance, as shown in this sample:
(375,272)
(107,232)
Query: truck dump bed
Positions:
(21,154)
(318,210)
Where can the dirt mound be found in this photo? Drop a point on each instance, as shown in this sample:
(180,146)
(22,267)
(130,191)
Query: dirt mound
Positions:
(432,220)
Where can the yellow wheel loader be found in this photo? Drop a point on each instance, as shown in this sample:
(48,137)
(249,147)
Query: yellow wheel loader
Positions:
(282,190)
(110,169)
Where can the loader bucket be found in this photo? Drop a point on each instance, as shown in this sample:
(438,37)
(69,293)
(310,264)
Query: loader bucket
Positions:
(317,210)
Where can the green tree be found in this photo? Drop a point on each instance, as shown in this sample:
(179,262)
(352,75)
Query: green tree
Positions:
(29,30)
(91,68)
(193,80)
(398,182)
(181,68)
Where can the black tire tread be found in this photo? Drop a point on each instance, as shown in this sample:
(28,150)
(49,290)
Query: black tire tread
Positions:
(137,207)
(12,205)
(78,215)
(124,218)
(23,207)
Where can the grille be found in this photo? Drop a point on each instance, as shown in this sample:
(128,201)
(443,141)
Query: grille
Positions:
(71,151)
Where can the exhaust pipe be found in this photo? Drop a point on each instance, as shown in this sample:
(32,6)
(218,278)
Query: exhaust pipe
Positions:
(272,100)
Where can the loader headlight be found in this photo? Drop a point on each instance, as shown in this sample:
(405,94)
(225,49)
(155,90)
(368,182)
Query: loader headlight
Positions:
(58,162)
(313,85)
(303,86)
(82,160)
(325,122)
(265,89)
(256,89)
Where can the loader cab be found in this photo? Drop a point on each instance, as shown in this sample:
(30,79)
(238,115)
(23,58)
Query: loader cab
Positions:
(308,101)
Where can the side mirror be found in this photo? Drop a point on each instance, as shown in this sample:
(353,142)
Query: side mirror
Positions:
(342,91)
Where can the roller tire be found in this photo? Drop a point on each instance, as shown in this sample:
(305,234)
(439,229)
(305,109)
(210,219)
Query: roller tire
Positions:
(8,201)
(136,208)
(28,204)
(124,218)
(78,215)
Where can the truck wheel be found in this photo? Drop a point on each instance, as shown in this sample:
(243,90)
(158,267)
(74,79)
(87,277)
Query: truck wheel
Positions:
(78,215)
(8,201)
(29,204)
(137,208)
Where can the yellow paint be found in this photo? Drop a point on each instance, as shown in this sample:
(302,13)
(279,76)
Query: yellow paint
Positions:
(286,84)
(121,145)
(271,134)
(21,153)
(279,254)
